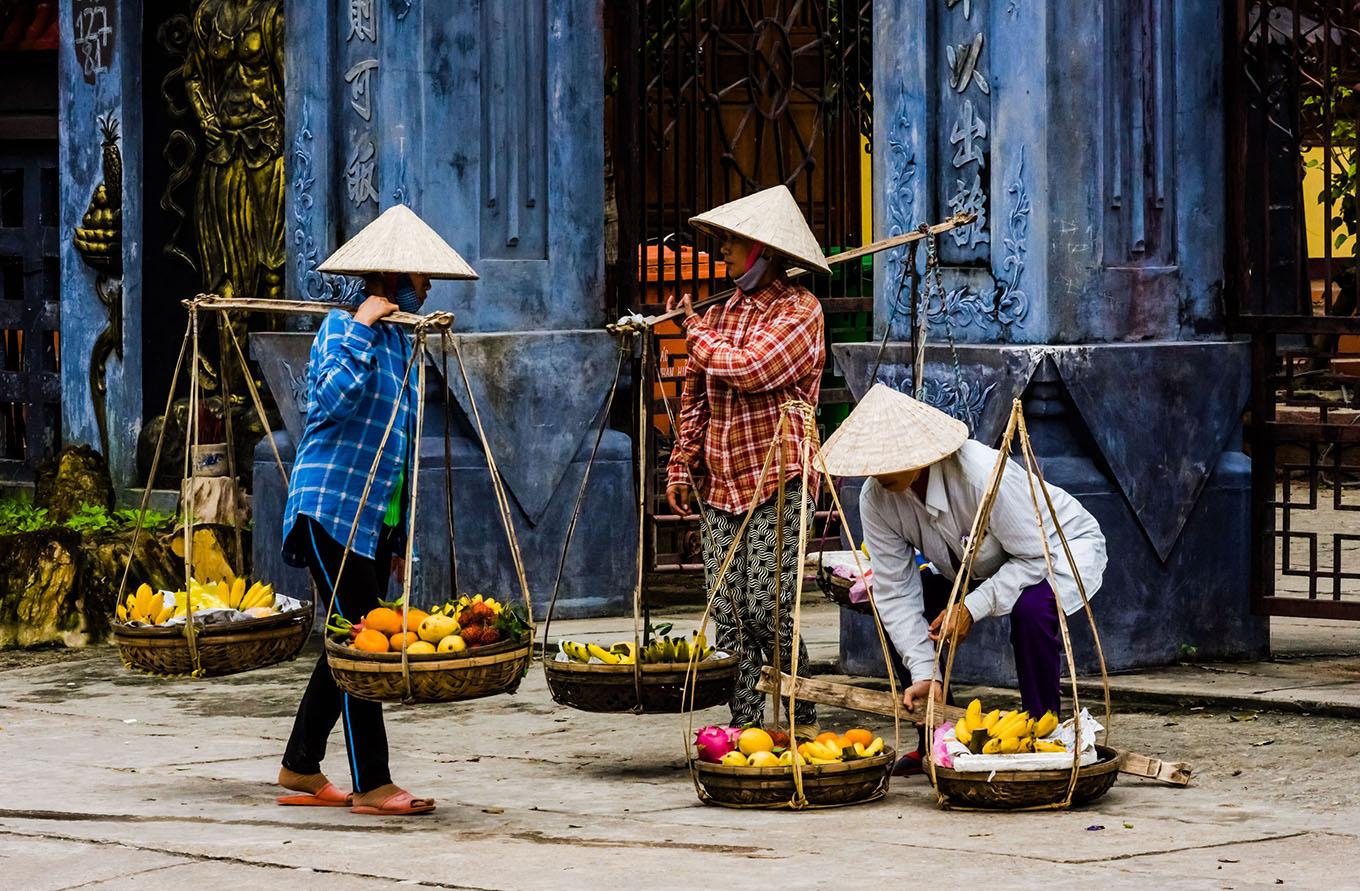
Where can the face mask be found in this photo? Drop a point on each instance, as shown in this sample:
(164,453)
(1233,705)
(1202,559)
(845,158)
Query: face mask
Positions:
(407,298)
(756,266)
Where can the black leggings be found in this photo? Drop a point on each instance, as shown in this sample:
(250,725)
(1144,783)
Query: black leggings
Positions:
(323,704)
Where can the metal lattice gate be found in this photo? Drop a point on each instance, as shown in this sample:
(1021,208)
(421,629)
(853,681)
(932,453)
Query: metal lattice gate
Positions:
(717,99)
(30,380)
(1294,69)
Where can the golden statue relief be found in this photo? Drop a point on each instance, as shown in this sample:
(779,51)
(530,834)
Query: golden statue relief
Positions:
(233,76)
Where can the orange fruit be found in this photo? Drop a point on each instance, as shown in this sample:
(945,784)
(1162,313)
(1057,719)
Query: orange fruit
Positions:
(753,740)
(414,617)
(383,620)
(859,735)
(829,736)
(371,641)
(398,643)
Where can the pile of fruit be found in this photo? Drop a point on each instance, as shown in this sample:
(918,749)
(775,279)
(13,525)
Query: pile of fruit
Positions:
(1006,733)
(150,608)
(662,650)
(453,627)
(755,747)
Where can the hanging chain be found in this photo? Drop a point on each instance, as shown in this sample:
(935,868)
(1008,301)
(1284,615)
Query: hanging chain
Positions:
(935,286)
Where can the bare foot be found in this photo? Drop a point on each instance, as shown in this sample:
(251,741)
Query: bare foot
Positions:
(376,797)
(311,783)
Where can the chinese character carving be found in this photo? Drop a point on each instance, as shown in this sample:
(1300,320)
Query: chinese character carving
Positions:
(970,199)
(963,66)
(363,21)
(360,96)
(969,134)
(359,173)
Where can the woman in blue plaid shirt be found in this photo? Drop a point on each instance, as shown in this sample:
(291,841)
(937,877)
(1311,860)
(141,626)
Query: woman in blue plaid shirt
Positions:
(354,387)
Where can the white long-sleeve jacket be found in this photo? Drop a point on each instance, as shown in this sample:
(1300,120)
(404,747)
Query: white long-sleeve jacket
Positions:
(1010,558)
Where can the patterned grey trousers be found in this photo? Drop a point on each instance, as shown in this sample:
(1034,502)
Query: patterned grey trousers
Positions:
(744,603)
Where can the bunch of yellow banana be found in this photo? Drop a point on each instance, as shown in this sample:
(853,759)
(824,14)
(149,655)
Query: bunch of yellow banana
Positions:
(228,595)
(619,654)
(667,649)
(830,751)
(206,595)
(677,649)
(145,606)
(1006,733)
(242,598)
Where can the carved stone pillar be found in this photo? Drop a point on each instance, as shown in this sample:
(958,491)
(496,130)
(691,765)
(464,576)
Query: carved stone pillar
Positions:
(101,288)
(1089,140)
(486,119)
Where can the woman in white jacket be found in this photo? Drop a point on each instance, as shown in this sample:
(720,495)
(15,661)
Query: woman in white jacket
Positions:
(927,479)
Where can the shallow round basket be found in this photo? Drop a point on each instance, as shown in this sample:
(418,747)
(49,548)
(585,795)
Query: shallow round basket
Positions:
(222,649)
(611,688)
(1020,789)
(440,677)
(824,785)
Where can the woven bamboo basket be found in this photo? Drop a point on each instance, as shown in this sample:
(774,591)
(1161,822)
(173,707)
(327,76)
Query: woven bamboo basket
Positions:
(825,785)
(485,671)
(1022,789)
(222,649)
(612,688)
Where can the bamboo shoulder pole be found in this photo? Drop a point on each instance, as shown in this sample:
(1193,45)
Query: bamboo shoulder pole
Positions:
(312,308)
(633,323)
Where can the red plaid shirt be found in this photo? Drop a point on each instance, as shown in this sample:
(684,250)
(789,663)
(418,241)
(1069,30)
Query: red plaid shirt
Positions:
(747,357)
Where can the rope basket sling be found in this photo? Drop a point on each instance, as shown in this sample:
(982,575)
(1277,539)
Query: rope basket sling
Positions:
(190,649)
(652,688)
(1022,789)
(798,786)
(438,677)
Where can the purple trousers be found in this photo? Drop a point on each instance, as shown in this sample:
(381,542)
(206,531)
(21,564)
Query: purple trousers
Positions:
(1035,638)
(1037,642)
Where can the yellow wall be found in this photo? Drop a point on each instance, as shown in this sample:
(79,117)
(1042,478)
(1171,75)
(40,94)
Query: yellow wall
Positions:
(866,191)
(1314,212)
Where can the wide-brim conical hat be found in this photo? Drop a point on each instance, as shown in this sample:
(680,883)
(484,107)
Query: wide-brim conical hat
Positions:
(398,241)
(772,218)
(889,432)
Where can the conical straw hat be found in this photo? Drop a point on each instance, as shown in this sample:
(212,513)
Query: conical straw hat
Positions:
(398,241)
(889,432)
(772,218)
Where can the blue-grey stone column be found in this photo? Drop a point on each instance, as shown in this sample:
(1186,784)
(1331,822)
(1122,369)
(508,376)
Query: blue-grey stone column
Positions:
(486,119)
(1088,139)
(100,76)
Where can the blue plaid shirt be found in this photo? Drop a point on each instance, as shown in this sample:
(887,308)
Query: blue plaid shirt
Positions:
(353,381)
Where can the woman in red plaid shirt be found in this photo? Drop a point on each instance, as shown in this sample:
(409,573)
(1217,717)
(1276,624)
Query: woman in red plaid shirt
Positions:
(748,357)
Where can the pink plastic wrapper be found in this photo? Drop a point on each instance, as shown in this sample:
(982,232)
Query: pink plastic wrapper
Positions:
(859,589)
(938,751)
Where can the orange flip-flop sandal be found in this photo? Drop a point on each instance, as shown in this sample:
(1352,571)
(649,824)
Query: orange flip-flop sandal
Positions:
(400,804)
(326,796)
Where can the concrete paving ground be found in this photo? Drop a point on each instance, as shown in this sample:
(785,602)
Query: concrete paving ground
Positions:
(122,781)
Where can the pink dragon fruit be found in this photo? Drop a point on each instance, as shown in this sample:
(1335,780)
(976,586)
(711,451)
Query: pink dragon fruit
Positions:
(714,742)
